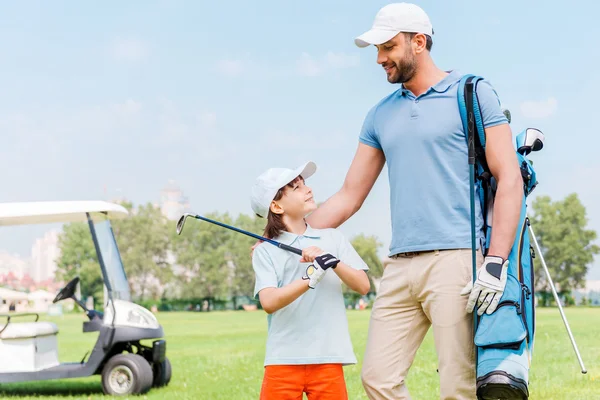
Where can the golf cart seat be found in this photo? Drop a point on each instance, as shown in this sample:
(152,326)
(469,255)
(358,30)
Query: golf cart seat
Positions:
(27,346)
(24,330)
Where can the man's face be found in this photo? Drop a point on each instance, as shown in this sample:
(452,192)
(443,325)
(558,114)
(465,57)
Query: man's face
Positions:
(396,56)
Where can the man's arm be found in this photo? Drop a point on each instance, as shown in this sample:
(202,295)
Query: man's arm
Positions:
(364,170)
(504,165)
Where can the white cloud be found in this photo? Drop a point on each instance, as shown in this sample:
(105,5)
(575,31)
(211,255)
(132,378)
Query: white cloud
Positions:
(172,127)
(308,65)
(539,109)
(130,49)
(208,119)
(305,65)
(284,141)
(495,21)
(129,107)
(342,60)
(163,124)
(178,127)
(230,67)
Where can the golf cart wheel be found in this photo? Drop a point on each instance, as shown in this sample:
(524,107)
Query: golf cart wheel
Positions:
(126,374)
(162,373)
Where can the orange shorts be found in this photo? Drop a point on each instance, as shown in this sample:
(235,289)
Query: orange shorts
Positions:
(318,381)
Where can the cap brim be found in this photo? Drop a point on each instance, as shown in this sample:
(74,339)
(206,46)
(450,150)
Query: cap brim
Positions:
(306,170)
(374,36)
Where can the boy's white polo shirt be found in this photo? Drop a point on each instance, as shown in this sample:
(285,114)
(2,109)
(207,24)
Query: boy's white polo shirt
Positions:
(313,329)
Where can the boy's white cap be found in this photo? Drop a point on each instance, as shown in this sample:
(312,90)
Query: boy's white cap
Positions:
(393,19)
(269,182)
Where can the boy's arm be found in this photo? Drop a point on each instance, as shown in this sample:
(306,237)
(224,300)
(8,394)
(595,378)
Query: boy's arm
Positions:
(271,296)
(353,272)
(273,299)
(356,279)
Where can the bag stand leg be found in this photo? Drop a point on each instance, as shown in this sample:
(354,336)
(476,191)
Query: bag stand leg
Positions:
(562,314)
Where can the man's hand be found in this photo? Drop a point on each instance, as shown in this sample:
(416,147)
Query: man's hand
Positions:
(489,286)
(254,247)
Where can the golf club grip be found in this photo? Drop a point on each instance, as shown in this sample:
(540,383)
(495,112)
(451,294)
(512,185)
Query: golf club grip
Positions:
(289,248)
(470,123)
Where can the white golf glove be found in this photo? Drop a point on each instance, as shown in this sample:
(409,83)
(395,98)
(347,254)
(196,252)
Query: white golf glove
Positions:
(489,286)
(316,271)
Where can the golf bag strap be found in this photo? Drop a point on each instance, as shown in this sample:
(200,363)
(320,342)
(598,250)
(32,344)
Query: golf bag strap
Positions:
(473,122)
(475,137)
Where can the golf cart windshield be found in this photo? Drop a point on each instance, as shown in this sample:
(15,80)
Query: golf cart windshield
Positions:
(114,273)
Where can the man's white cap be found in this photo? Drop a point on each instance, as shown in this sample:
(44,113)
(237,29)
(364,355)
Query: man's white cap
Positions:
(393,19)
(269,182)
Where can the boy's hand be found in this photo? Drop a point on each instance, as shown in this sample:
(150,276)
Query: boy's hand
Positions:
(316,270)
(309,254)
(326,260)
(314,274)
(321,262)
(316,255)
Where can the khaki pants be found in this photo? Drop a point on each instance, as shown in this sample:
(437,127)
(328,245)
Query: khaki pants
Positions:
(416,292)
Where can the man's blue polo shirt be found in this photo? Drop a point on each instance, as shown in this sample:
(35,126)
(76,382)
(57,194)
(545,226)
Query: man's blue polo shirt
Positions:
(426,153)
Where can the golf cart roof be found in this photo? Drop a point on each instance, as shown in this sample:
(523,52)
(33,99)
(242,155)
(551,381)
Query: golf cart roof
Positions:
(42,212)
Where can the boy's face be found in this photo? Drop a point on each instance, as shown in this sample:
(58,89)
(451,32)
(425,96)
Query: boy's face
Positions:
(297,200)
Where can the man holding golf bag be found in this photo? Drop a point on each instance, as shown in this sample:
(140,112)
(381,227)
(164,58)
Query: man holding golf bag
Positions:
(428,279)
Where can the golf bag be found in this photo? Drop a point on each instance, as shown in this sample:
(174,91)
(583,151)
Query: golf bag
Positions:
(504,340)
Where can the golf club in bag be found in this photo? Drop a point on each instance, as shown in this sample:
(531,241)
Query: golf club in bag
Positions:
(504,340)
(184,217)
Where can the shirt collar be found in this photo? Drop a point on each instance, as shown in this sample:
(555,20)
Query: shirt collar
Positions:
(440,87)
(289,238)
(444,84)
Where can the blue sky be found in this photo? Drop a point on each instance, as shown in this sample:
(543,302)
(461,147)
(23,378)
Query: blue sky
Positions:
(127,95)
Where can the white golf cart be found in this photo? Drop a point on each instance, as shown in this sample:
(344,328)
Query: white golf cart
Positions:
(28,349)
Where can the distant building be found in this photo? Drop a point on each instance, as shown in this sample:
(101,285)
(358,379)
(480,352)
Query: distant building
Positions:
(13,263)
(44,255)
(173,202)
(591,293)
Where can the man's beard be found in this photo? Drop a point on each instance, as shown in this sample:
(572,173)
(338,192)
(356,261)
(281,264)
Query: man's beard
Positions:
(405,69)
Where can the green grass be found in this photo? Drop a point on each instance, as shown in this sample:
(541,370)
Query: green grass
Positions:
(219,356)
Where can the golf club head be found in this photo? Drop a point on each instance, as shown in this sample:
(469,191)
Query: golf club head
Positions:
(506,112)
(181,222)
(529,140)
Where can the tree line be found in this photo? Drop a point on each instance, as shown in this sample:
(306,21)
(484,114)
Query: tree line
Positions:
(210,262)
(204,262)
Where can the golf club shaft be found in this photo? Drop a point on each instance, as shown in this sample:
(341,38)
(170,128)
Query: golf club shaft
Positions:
(273,242)
(562,314)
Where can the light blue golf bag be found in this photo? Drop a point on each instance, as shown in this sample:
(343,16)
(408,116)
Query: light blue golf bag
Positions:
(504,339)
